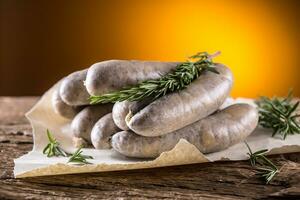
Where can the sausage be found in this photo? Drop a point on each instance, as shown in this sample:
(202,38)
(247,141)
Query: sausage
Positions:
(211,134)
(113,75)
(121,110)
(61,108)
(179,109)
(84,121)
(102,132)
(72,89)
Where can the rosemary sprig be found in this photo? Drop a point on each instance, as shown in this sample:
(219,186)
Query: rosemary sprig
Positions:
(279,115)
(176,80)
(253,157)
(267,173)
(267,170)
(53,148)
(79,158)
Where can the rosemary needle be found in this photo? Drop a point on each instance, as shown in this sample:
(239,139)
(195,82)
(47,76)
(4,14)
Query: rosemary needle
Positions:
(176,80)
(254,156)
(279,114)
(53,148)
(79,158)
(266,169)
(267,173)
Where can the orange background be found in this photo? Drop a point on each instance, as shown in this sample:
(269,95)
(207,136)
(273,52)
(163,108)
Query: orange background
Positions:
(41,41)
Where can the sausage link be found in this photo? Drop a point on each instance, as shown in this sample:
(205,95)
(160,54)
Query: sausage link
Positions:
(61,108)
(113,75)
(84,121)
(211,134)
(103,131)
(179,109)
(72,89)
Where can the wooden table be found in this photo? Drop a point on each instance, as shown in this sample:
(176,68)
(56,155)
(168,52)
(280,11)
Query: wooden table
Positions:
(220,180)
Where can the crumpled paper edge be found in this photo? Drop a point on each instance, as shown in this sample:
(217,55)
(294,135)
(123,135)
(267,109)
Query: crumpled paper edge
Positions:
(183,153)
(177,156)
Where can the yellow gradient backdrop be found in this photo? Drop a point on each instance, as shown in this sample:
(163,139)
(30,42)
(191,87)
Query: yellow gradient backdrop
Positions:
(255,41)
(259,40)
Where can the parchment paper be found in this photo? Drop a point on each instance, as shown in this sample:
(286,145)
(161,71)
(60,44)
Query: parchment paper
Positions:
(42,117)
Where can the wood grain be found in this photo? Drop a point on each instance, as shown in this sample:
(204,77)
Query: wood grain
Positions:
(219,180)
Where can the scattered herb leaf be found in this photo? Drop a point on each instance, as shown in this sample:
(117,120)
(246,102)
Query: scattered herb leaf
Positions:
(53,148)
(266,169)
(267,173)
(279,114)
(79,158)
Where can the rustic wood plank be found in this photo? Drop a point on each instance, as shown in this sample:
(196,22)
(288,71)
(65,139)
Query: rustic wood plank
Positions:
(220,180)
(13,109)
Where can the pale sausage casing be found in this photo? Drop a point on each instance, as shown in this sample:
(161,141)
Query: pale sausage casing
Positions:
(119,112)
(102,132)
(211,134)
(72,89)
(84,121)
(179,109)
(61,108)
(113,75)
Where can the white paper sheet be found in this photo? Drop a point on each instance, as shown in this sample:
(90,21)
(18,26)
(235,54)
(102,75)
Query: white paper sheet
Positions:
(42,117)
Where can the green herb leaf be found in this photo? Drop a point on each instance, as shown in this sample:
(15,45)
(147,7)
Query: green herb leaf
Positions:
(279,114)
(267,173)
(79,158)
(53,148)
(176,80)
(266,169)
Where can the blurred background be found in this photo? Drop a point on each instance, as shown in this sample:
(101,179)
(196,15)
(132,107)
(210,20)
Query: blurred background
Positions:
(42,41)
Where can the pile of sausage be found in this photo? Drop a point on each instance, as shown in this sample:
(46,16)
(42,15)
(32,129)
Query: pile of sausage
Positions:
(147,128)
